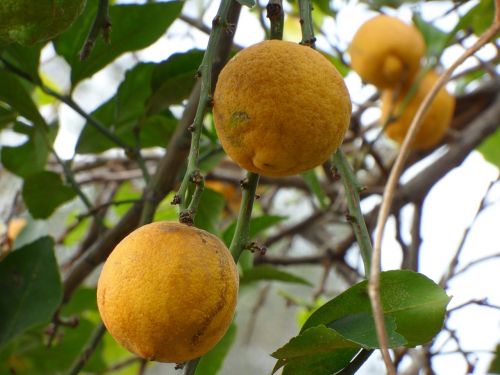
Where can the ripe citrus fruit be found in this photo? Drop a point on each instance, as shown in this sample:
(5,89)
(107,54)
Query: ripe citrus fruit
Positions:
(28,22)
(168,292)
(280,108)
(435,122)
(385,51)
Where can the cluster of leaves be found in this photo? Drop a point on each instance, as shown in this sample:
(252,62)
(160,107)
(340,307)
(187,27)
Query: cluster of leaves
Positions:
(138,116)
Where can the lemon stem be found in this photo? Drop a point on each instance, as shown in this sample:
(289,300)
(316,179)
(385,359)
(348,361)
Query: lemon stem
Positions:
(306,23)
(276,17)
(101,24)
(355,217)
(219,24)
(241,233)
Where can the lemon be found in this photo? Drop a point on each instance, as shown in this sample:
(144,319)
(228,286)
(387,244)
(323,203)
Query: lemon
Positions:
(168,292)
(28,22)
(435,122)
(280,108)
(386,52)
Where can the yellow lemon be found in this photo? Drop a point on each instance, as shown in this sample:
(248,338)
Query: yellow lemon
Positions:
(386,52)
(280,108)
(435,122)
(168,292)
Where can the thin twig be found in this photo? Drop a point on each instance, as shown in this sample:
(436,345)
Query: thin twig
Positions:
(276,16)
(374,281)
(102,24)
(95,339)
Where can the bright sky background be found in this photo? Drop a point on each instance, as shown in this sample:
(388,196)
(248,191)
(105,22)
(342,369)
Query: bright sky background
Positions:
(448,209)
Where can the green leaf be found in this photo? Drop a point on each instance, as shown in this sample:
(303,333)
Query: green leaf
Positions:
(211,362)
(82,300)
(257,225)
(134,27)
(417,304)
(124,115)
(14,93)
(435,39)
(312,181)
(26,59)
(248,3)
(495,363)
(7,115)
(43,192)
(267,272)
(317,351)
(490,148)
(360,329)
(28,158)
(31,288)
(479,18)
(173,79)
(209,210)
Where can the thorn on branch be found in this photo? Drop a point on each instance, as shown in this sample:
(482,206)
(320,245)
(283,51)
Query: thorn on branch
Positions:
(350,218)
(198,74)
(230,28)
(253,247)
(190,128)
(274,10)
(176,200)
(216,21)
(179,366)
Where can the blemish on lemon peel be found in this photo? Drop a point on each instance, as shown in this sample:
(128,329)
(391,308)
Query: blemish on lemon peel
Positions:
(288,92)
(168,292)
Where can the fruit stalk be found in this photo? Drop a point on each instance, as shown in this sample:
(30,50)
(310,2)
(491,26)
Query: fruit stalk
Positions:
(276,16)
(241,236)
(355,217)
(219,24)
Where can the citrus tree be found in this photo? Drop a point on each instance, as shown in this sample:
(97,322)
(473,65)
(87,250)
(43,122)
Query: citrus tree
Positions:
(186,192)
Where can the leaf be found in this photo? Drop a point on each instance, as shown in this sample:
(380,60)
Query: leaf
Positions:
(417,304)
(43,192)
(211,362)
(360,328)
(267,272)
(490,148)
(31,288)
(173,79)
(14,93)
(435,39)
(479,18)
(209,210)
(317,351)
(248,3)
(134,27)
(257,225)
(28,158)
(26,59)
(312,181)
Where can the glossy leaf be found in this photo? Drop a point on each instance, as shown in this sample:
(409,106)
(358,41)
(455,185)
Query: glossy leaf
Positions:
(435,39)
(43,192)
(317,351)
(134,27)
(31,288)
(26,59)
(270,273)
(417,304)
(173,79)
